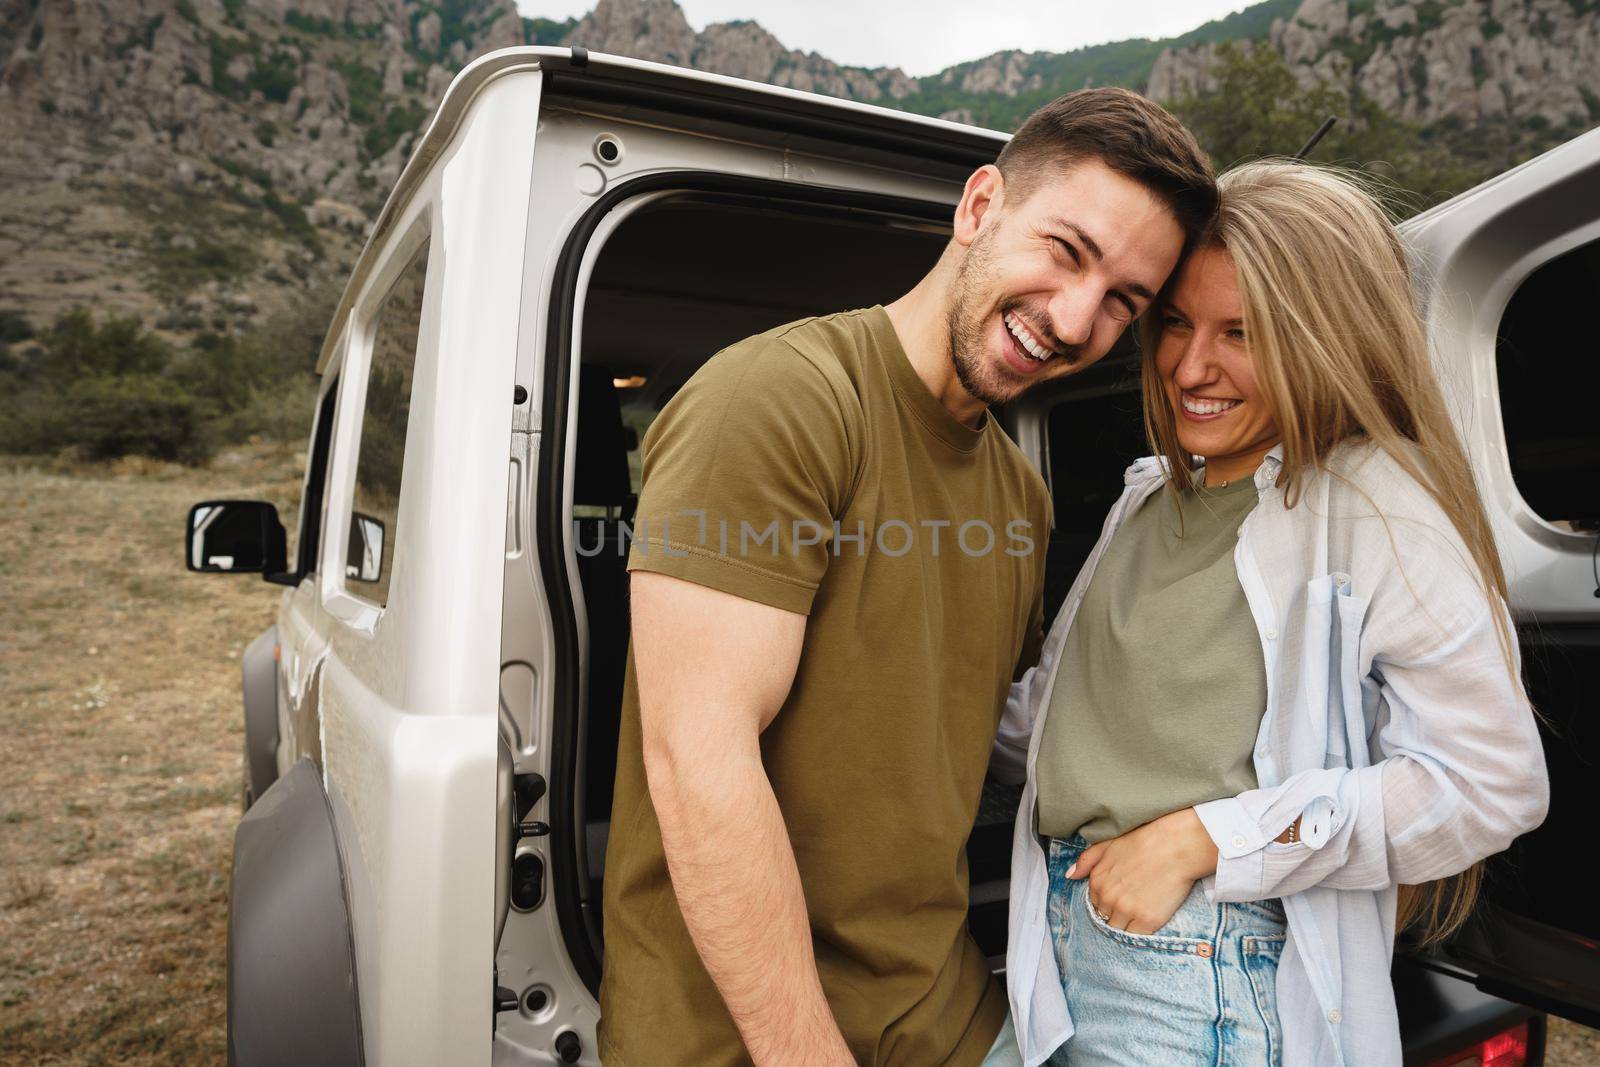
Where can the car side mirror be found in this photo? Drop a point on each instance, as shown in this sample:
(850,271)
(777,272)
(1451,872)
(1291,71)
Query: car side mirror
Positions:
(364,559)
(236,537)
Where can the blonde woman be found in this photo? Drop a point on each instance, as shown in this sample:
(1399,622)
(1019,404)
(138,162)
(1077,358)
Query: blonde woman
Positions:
(1285,683)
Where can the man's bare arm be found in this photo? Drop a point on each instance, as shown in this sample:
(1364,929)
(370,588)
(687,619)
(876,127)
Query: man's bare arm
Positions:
(713,669)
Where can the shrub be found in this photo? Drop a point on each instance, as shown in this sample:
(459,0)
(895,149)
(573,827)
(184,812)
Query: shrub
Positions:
(14,327)
(1590,101)
(106,418)
(176,270)
(292,216)
(136,415)
(314,24)
(365,87)
(77,347)
(279,411)
(100,389)
(223,49)
(397,122)
(221,370)
(276,76)
(240,169)
(109,388)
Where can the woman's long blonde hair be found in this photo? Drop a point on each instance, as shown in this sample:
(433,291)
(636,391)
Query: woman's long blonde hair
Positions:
(1339,352)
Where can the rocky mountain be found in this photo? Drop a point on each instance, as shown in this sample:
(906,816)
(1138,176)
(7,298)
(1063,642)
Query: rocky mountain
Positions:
(203,162)
(1529,69)
(197,161)
(658,30)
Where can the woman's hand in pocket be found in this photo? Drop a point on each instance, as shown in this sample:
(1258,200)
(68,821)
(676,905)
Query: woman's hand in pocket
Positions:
(1138,881)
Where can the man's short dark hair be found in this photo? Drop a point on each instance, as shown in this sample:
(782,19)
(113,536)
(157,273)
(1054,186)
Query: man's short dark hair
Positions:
(1135,137)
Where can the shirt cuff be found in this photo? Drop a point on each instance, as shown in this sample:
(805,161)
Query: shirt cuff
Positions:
(1319,820)
(1231,827)
(1240,850)
(1242,854)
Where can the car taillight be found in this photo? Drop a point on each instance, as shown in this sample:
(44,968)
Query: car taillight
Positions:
(1506,1049)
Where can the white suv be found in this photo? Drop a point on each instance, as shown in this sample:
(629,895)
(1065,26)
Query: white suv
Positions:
(432,721)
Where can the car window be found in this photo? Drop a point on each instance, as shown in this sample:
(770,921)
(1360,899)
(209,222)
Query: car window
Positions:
(309,534)
(1548,376)
(381,450)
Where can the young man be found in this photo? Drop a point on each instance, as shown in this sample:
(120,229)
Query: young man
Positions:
(836,573)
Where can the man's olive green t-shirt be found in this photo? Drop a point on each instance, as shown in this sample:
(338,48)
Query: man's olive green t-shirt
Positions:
(1162,682)
(809,468)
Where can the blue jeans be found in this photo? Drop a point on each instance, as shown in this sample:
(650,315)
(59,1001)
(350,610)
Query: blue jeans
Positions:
(1200,990)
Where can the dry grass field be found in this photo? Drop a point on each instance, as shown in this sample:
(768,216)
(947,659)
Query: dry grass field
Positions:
(120,738)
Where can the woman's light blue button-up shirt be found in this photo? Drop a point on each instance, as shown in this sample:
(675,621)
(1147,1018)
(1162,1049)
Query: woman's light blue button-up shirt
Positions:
(1394,730)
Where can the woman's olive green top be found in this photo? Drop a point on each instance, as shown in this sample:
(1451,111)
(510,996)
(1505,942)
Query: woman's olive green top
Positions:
(1162,684)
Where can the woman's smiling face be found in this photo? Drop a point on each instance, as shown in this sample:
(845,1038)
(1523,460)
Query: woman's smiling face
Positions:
(1204,365)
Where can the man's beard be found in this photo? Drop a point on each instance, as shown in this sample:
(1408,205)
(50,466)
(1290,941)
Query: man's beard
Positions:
(966,322)
(987,380)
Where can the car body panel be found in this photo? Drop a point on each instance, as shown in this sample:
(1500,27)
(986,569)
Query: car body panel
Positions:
(260,684)
(406,702)
(1469,256)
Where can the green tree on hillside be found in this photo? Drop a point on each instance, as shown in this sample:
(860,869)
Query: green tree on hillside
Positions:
(108,387)
(77,347)
(103,389)
(14,329)
(1256,108)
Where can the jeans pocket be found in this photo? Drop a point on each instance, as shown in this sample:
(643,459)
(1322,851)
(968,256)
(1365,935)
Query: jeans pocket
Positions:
(1156,942)
(1261,955)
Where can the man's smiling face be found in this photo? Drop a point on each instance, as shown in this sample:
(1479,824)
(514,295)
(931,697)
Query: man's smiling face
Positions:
(1047,285)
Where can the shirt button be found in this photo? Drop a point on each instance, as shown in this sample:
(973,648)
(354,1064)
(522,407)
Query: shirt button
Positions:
(1272,635)
(1335,1015)
(1238,841)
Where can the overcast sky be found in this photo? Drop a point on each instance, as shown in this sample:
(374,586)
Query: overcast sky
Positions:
(924,36)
